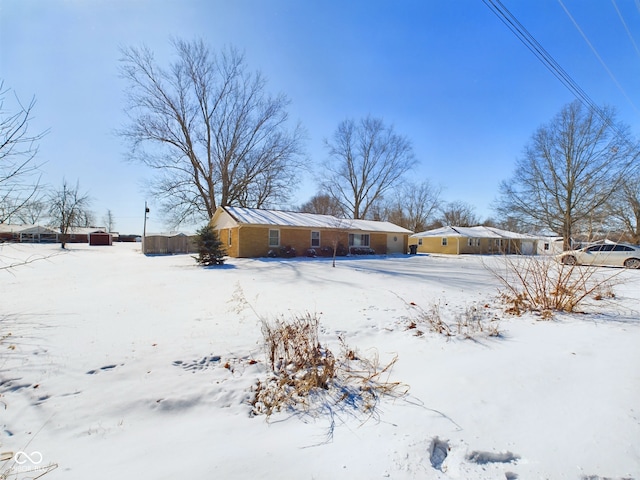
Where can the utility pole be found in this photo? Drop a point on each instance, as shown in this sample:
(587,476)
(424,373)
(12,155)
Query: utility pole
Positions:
(144,227)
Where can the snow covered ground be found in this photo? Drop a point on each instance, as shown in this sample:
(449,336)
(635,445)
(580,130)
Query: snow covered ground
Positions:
(125,366)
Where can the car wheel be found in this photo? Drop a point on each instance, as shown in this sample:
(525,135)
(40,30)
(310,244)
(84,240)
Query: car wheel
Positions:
(632,263)
(569,260)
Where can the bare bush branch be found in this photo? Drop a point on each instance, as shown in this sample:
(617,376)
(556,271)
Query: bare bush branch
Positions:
(536,284)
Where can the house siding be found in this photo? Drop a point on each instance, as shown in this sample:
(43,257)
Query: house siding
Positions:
(253,242)
(434,245)
(378,241)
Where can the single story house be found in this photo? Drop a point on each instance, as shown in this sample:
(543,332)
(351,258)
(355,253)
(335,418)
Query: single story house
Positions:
(252,232)
(27,233)
(550,245)
(42,234)
(474,240)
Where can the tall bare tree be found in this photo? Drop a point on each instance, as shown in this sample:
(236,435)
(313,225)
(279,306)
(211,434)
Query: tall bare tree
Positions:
(569,172)
(209,129)
(458,214)
(367,160)
(414,206)
(323,204)
(32,212)
(109,221)
(68,208)
(625,207)
(19,180)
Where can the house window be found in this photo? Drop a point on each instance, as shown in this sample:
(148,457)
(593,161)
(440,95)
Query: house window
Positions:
(274,238)
(358,239)
(419,241)
(444,241)
(546,245)
(229,239)
(473,242)
(315,239)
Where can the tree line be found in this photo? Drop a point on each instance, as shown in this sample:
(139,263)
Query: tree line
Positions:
(23,198)
(213,135)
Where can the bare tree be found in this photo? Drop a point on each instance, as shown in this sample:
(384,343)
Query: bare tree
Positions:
(323,204)
(32,212)
(368,159)
(210,131)
(625,207)
(414,206)
(569,172)
(109,221)
(19,181)
(459,214)
(68,208)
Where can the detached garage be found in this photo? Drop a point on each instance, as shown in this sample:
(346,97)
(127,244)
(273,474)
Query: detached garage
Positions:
(100,238)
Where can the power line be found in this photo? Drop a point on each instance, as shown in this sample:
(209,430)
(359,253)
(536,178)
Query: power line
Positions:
(595,52)
(624,24)
(554,67)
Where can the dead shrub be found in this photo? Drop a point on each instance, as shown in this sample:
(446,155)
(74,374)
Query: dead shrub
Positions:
(432,319)
(306,375)
(540,284)
(474,320)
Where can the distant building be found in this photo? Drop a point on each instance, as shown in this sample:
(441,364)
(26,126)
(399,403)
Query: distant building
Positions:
(474,240)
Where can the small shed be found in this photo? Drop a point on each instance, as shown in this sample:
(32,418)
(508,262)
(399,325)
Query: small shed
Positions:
(100,238)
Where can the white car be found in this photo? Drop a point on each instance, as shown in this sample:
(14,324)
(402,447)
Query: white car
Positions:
(613,254)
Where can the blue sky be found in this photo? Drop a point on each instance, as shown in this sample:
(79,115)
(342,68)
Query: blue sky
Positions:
(446,74)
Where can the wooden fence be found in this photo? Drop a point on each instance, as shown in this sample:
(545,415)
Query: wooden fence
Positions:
(169,244)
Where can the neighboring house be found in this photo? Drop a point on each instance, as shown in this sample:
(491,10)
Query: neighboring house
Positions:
(476,240)
(550,245)
(27,233)
(40,234)
(251,232)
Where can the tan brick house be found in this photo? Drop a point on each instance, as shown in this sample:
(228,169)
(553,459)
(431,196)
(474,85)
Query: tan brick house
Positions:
(251,232)
(473,240)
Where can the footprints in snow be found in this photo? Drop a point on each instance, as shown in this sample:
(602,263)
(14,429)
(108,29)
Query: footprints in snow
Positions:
(15,385)
(439,451)
(201,364)
(103,369)
(482,458)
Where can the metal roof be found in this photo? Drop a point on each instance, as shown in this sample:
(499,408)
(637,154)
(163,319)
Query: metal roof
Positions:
(256,216)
